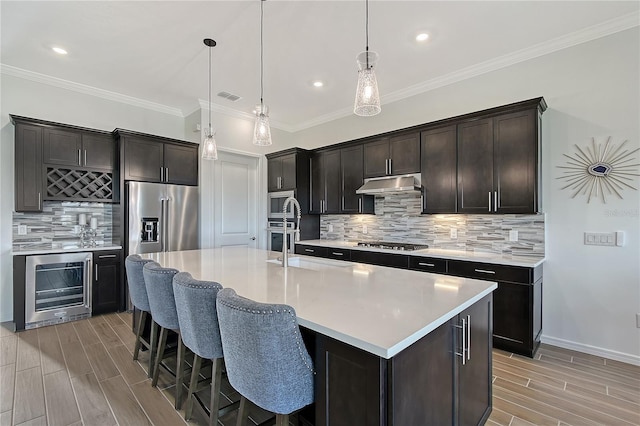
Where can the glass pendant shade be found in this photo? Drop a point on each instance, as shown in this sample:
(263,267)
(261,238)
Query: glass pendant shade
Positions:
(209,148)
(262,130)
(367,97)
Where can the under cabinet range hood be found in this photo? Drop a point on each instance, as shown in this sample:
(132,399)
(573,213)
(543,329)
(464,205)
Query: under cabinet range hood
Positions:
(390,185)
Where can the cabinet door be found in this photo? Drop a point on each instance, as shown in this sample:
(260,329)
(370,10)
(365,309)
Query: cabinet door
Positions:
(438,171)
(351,170)
(99,151)
(181,164)
(28,168)
(404,152)
(62,147)
(274,173)
(288,175)
(143,160)
(317,183)
(106,278)
(511,311)
(376,154)
(474,377)
(331,165)
(475,167)
(515,152)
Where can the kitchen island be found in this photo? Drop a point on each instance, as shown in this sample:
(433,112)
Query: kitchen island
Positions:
(391,347)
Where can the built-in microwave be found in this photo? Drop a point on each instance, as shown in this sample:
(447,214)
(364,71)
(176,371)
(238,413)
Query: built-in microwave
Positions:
(275,203)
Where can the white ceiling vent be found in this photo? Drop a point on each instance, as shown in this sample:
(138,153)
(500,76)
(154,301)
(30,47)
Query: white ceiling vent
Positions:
(229,96)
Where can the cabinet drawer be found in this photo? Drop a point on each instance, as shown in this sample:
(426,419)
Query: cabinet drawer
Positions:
(491,272)
(340,254)
(427,264)
(381,259)
(312,250)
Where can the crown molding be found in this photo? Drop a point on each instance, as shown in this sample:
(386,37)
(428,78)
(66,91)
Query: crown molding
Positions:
(594,32)
(87,90)
(241,115)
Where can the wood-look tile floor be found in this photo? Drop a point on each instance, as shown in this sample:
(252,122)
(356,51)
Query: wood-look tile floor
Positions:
(82,373)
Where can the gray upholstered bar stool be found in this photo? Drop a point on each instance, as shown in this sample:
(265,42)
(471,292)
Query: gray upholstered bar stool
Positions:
(265,356)
(138,294)
(196,305)
(159,283)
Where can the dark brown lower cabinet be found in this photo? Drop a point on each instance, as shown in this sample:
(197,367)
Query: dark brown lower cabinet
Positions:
(105,292)
(428,383)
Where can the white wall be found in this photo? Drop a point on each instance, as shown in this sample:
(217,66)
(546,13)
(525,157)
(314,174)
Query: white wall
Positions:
(591,294)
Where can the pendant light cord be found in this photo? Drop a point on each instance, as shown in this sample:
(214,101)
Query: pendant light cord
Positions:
(210,133)
(261,57)
(367,30)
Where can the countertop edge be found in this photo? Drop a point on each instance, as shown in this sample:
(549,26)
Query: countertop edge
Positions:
(64,250)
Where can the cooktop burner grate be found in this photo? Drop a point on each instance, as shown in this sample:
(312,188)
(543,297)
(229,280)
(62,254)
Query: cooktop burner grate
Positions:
(392,246)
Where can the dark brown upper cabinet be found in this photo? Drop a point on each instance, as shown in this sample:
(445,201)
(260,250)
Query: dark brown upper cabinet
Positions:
(149,158)
(498,164)
(72,148)
(28,167)
(438,170)
(395,155)
(325,182)
(282,173)
(351,177)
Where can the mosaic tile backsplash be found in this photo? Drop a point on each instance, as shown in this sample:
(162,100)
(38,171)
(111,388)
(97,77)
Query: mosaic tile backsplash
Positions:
(55,226)
(398,219)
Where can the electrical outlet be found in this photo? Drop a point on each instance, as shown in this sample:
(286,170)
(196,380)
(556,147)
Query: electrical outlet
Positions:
(364,229)
(638,320)
(513,235)
(330,227)
(22,229)
(76,229)
(453,233)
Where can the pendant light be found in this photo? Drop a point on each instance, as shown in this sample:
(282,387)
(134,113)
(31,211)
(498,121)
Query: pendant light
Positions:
(209,149)
(367,97)
(261,130)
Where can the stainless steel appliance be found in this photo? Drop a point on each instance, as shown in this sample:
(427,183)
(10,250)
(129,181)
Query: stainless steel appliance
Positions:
(276,235)
(275,203)
(392,246)
(162,217)
(57,288)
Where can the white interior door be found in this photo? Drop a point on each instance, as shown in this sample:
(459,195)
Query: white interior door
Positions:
(236,200)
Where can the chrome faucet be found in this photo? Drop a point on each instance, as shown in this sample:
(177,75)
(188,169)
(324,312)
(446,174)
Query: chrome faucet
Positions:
(285,253)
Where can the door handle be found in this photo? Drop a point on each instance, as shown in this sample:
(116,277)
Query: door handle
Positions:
(468,337)
(106,256)
(252,238)
(485,271)
(430,265)
(462,354)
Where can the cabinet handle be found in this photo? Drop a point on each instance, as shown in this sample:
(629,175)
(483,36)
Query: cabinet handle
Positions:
(106,256)
(430,265)
(495,201)
(309,250)
(468,337)
(463,354)
(161,174)
(79,159)
(489,200)
(321,206)
(337,254)
(85,157)
(95,268)
(360,205)
(39,201)
(390,167)
(166,174)
(485,271)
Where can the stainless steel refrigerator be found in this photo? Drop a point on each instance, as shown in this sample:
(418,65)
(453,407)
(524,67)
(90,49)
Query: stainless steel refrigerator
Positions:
(162,217)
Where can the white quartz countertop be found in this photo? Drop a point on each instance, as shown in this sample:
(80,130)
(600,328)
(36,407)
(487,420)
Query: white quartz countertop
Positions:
(527,262)
(378,309)
(73,249)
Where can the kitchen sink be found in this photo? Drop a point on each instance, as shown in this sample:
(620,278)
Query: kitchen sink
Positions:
(314,264)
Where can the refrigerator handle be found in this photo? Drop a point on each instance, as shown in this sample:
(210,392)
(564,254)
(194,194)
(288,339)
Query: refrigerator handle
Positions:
(166,225)
(162,225)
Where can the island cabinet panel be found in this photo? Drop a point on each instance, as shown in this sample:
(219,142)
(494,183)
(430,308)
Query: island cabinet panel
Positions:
(381,259)
(105,295)
(28,168)
(438,170)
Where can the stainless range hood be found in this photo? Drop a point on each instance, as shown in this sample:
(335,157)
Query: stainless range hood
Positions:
(390,185)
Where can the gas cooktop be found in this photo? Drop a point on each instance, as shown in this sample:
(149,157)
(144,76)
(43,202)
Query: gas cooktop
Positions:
(392,246)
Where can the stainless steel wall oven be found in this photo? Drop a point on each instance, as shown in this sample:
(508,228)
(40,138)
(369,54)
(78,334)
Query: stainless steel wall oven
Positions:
(57,288)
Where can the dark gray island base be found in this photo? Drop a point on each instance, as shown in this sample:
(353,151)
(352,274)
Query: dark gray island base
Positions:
(442,379)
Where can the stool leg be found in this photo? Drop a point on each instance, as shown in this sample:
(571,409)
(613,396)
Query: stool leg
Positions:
(141,320)
(195,372)
(242,412)
(161,346)
(179,372)
(154,347)
(216,378)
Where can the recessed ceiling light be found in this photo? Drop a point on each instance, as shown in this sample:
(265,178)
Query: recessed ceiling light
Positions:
(318,83)
(59,50)
(422,37)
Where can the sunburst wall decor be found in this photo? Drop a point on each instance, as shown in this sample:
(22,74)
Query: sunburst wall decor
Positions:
(597,172)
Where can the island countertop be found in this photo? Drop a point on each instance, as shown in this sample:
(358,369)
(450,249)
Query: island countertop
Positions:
(378,309)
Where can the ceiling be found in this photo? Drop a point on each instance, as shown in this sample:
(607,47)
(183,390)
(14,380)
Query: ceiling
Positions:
(154,51)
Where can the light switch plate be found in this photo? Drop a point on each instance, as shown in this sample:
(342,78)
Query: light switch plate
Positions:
(365,229)
(513,235)
(330,227)
(22,229)
(453,233)
(600,238)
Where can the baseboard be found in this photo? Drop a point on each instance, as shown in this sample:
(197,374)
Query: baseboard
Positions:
(592,350)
